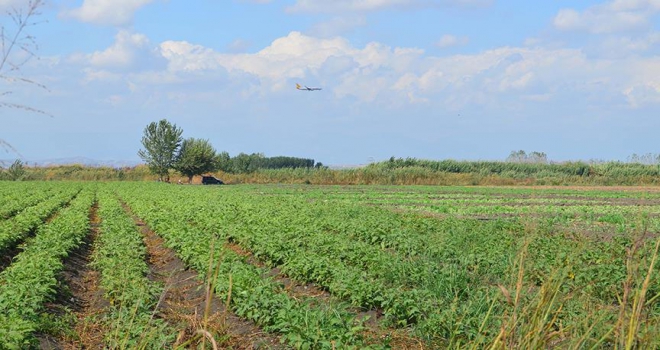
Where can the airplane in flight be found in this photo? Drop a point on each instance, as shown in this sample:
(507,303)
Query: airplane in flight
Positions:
(307,88)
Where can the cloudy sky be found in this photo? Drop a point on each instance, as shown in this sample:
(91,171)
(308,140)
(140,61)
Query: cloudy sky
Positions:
(434,79)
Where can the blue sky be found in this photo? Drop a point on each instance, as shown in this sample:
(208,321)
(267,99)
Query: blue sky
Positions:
(433,79)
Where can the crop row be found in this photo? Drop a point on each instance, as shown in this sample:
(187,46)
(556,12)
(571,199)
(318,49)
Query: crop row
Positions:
(253,295)
(31,279)
(12,191)
(120,258)
(333,246)
(20,200)
(18,227)
(417,270)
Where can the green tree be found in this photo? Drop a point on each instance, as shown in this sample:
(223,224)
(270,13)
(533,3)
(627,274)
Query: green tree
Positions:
(196,156)
(16,171)
(161,141)
(223,162)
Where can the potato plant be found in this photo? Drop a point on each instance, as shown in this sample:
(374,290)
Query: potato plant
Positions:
(120,258)
(13,230)
(31,279)
(443,267)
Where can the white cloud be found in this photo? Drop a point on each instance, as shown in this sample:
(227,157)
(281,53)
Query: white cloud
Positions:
(449,40)
(123,53)
(287,57)
(373,5)
(611,17)
(131,53)
(644,85)
(379,74)
(107,12)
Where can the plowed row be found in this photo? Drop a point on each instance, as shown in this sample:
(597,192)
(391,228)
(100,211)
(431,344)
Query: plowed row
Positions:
(145,265)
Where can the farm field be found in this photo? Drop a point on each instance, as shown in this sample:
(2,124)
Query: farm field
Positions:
(154,265)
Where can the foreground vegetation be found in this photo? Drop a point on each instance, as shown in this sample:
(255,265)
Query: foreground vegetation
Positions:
(346,267)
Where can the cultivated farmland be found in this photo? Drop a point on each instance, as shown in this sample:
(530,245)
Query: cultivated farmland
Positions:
(152,265)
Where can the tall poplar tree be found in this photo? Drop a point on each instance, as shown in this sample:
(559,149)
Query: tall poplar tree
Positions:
(161,142)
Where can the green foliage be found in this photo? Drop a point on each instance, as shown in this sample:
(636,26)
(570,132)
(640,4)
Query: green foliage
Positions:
(452,267)
(16,171)
(244,169)
(32,217)
(129,318)
(262,300)
(161,141)
(31,279)
(196,157)
(248,163)
(223,162)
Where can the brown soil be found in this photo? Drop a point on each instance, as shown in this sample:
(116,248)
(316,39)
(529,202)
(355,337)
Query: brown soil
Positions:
(374,333)
(80,294)
(293,288)
(8,256)
(183,303)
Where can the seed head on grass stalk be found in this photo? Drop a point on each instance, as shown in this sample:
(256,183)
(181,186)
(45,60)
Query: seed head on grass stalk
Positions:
(632,311)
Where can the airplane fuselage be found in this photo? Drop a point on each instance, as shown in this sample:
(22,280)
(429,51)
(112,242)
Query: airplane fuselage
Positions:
(307,88)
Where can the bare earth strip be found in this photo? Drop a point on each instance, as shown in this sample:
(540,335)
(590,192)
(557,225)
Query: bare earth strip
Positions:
(184,302)
(81,295)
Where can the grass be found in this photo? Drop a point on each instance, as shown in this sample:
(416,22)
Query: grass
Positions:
(409,171)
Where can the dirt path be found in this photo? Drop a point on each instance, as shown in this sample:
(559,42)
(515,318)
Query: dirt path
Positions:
(79,293)
(184,302)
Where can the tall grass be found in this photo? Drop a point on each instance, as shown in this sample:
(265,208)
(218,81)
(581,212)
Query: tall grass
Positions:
(557,314)
(408,171)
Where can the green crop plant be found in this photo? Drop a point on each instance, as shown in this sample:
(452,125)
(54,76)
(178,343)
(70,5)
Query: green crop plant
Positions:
(129,320)
(31,280)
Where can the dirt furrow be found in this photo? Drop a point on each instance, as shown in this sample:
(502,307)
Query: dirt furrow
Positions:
(186,305)
(293,288)
(9,254)
(79,297)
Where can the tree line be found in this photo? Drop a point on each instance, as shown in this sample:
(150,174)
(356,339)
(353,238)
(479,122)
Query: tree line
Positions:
(165,150)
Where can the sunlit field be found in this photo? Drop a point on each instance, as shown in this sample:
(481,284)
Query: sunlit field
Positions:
(155,265)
